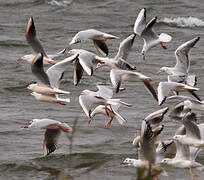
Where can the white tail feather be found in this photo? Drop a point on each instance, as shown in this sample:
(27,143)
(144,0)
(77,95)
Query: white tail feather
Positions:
(163,37)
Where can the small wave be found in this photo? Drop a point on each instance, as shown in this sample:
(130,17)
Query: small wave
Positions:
(184,22)
(63,3)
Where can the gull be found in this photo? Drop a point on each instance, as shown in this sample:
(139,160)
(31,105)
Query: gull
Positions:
(52,133)
(96,36)
(147,149)
(33,41)
(102,97)
(117,76)
(111,112)
(149,36)
(47,81)
(185,155)
(193,134)
(180,71)
(164,89)
(119,61)
(155,119)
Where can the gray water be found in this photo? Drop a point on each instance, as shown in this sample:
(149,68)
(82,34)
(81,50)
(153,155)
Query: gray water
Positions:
(96,152)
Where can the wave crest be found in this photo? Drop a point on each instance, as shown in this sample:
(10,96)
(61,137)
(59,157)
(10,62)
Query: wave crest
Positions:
(62,3)
(184,21)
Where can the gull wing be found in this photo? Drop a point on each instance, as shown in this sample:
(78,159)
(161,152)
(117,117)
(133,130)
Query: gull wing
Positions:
(182,57)
(157,116)
(125,47)
(104,92)
(50,140)
(192,129)
(85,59)
(55,72)
(148,34)
(115,79)
(101,46)
(31,37)
(38,70)
(86,101)
(147,149)
(140,22)
(78,71)
(163,90)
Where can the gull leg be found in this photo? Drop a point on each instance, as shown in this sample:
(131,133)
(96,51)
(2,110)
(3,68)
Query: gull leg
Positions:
(193,176)
(163,46)
(109,123)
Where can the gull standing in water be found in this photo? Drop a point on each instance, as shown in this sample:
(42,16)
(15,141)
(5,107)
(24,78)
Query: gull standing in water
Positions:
(103,97)
(52,133)
(149,36)
(180,72)
(33,41)
(96,36)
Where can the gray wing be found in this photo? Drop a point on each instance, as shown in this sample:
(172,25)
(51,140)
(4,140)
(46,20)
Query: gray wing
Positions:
(125,47)
(55,72)
(140,22)
(182,57)
(38,70)
(30,35)
(192,129)
(147,149)
(101,47)
(151,89)
(116,79)
(50,140)
(104,92)
(157,116)
(148,34)
(78,72)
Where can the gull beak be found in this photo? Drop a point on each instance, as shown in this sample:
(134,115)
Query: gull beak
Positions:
(29,94)
(158,72)
(26,125)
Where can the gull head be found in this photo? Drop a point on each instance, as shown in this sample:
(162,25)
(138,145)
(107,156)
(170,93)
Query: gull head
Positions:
(165,161)
(162,69)
(76,39)
(27,57)
(178,137)
(127,161)
(32,87)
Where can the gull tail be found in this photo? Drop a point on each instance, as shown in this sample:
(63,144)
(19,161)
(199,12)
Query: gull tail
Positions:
(59,91)
(163,37)
(63,101)
(120,119)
